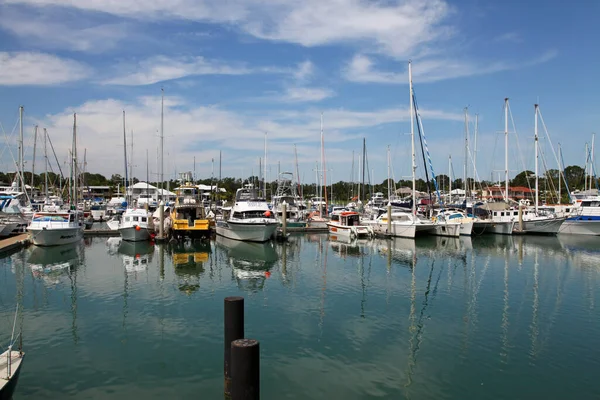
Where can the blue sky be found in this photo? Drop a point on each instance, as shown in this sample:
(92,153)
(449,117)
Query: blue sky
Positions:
(233,70)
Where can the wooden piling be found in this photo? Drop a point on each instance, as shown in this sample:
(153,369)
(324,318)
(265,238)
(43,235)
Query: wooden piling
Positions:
(245,369)
(234,330)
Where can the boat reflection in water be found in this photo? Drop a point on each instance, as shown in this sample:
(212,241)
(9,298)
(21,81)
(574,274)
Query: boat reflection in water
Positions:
(136,255)
(189,259)
(250,262)
(344,246)
(50,263)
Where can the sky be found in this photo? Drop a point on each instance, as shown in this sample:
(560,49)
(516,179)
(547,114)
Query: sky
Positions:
(235,72)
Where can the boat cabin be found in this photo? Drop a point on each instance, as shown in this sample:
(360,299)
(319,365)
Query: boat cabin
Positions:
(347,218)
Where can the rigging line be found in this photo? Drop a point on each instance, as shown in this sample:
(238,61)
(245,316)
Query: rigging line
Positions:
(519,152)
(424,140)
(10,137)
(558,162)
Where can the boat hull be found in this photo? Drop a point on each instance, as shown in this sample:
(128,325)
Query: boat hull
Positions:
(350,231)
(7,390)
(55,237)
(577,226)
(466,228)
(498,228)
(543,227)
(132,234)
(445,229)
(251,232)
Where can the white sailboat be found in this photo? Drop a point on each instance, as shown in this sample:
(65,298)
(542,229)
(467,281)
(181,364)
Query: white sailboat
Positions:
(56,228)
(136,224)
(10,366)
(249,218)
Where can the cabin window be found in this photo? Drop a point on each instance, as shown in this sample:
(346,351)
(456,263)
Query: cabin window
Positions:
(144,219)
(71,218)
(515,213)
(237,215)
(502,214)
(135,219)
(127,219)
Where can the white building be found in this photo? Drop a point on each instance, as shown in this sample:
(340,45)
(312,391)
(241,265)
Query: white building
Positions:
(147,190)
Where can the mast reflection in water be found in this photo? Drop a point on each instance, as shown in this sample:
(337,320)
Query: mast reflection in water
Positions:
(483,317)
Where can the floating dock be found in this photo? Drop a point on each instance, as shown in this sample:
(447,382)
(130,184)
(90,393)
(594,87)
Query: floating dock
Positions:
(100,232)
(14,243)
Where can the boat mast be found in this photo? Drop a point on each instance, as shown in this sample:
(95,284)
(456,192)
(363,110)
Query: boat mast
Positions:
(46,162)
(536,158)
(559,174)
(74,165)
(265,170)
(35,135)
(466,151)
(364,158)
(412,140)
(592,162)
(125,155)
(389,183)
(20,161)
(131,165)
(450,179)
(475,150)
(323,166)
(162,138)
(506,149)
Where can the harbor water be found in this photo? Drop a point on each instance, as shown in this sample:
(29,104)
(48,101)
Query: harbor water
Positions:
(490,317)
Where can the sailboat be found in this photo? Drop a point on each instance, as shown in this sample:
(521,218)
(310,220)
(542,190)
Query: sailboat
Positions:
(10,367)
(136,224)
(287,193)
(405,223)
(60,227)
(525,219)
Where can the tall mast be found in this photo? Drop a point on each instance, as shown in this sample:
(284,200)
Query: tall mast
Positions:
(364,158)
(74,163)
(450,179)
(559,173)
(265,169)
(35,135)
(147,175)
(323,164)
(125,155)
(412,141)
(388,174)
(466,151)
(46,162)
(20,165)
(537,199)
(475,149)
(131,163)
(162,138)
(298,189)
(592,162)
(506,149)
(586,169)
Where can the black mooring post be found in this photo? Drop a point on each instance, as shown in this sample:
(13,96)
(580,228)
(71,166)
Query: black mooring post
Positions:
(245,369)
(234,330)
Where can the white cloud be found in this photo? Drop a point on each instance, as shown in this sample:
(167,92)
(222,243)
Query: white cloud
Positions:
(306,94)
(189,131)
(361,69)
(28,68)
(513,37)
(305,70)
(393,27)
(163,68)
(50,31)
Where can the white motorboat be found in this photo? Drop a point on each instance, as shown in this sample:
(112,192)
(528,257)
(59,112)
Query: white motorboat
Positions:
(347,224)
(403,224)
(456,216)
(136,224)
(531,221)
(249,218)
(584,220)
(53,229)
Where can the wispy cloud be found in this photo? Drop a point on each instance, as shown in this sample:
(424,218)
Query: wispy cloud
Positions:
(513,37)
(394,28)
(162,68)
(239,134)
(28,68)
(49,31)
(362,69)
(305,94)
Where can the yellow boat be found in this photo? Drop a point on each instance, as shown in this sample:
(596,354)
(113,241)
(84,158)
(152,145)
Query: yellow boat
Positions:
(188,216)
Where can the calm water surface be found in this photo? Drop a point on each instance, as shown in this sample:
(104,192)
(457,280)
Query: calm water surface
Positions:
(483,318)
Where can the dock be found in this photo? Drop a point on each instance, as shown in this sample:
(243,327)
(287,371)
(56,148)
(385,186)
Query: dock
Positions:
(100,232)
(14,243)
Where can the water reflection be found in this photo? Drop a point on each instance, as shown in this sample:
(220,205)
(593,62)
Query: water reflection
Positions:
(136,255)
(50,264)
(251,263)
(189,260)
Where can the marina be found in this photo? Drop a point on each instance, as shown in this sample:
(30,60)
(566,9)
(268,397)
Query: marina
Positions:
(491,317)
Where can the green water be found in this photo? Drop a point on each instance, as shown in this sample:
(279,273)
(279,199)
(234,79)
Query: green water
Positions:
(484,318)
